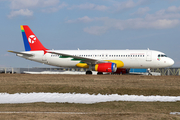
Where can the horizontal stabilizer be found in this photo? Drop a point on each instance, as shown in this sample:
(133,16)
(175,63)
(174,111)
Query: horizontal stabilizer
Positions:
(21,53)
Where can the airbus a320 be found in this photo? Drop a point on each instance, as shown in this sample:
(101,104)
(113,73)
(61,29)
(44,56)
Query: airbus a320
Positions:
(108,61)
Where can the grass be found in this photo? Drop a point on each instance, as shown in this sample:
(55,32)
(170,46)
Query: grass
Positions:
(109,110)
(104,84)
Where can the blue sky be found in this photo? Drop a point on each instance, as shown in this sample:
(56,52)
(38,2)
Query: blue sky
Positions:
(90,24)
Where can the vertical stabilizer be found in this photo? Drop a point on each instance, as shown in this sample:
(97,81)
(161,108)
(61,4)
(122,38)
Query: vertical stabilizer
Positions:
(31,42)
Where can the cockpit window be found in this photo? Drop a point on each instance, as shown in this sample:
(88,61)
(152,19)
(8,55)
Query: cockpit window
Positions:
(162,55)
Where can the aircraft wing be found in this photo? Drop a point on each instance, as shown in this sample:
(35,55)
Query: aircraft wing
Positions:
(78,58)
(21,54)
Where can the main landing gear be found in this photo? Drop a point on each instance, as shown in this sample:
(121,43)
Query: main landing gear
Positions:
(88,72)
(100,73)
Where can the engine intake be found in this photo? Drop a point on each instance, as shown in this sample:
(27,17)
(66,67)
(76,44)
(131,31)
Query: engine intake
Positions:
(106,67)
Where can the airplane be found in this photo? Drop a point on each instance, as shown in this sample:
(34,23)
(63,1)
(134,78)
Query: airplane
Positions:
(102,61)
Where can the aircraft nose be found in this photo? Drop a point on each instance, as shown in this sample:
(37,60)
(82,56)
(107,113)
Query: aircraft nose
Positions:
(171,62)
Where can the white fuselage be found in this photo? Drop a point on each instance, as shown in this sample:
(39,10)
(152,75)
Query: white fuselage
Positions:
(130,58)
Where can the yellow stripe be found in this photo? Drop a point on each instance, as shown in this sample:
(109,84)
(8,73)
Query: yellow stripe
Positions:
(119,63)
(96,67)
(82,65)
(22,27)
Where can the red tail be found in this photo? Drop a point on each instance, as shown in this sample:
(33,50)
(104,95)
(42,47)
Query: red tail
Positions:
(31,42)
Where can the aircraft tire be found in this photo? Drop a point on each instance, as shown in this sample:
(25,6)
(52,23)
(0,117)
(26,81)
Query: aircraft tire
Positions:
(88,72)
(100,73)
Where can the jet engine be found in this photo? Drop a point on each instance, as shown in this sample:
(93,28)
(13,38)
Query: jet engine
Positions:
(106,67)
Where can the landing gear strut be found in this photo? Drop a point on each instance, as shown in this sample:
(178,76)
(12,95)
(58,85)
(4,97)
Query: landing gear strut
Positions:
(149,71)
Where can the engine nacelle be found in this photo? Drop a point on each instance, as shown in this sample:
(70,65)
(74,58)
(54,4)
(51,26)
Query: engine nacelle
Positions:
(106,67)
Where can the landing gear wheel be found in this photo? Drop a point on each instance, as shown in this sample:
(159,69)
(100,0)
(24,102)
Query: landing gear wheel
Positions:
(99,73)
(149,74)
(88,72)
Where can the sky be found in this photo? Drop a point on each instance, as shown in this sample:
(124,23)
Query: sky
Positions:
(90,24)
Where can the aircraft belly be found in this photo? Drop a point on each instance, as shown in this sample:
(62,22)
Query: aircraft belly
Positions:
(131,63)
(62,62)
(141,63)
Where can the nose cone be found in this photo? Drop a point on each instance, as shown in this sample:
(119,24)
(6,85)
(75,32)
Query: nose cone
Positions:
(170,62)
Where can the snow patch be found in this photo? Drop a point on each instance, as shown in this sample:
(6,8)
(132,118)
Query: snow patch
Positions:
(79,98)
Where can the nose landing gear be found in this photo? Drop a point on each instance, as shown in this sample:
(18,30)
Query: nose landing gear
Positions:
(149,72)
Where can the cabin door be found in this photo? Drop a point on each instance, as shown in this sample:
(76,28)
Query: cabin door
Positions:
(149,56)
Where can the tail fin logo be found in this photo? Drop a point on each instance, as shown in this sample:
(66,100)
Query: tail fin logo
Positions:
(32,39)
(31,42)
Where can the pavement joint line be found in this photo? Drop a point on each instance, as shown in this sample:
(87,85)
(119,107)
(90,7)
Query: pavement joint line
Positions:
(79,113)
(58,112)
(48,112)
(83,113)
